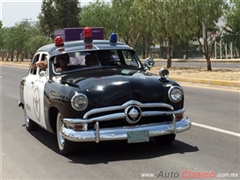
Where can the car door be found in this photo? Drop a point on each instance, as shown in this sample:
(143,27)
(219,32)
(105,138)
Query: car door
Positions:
(34,91)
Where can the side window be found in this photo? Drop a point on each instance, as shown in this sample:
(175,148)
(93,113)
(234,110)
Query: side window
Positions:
(129,58)
(44,58)
(116,58)
(33,69)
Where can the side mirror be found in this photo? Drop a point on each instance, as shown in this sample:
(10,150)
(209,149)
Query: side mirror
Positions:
(148,63)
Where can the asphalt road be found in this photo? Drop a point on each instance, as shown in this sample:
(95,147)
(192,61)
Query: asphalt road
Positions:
(202,150)
(202,64)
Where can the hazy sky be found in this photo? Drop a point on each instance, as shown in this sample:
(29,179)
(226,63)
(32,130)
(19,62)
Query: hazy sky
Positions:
(13,11)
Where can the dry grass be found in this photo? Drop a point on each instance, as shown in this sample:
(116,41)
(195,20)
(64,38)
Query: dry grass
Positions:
(225,74)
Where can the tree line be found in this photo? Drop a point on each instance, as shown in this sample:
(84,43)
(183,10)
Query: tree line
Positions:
(139,23)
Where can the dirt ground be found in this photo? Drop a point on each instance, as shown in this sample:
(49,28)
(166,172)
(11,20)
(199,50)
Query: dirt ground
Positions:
(224,74)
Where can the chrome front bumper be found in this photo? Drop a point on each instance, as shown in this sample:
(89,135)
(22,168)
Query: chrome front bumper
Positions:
(120,133)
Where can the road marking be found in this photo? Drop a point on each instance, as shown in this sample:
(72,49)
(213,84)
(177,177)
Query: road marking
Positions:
(216,129)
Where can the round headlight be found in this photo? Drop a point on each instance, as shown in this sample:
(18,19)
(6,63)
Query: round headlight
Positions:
(175,93)
(79,101)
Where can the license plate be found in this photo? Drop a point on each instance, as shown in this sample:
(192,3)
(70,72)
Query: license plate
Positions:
(138,136)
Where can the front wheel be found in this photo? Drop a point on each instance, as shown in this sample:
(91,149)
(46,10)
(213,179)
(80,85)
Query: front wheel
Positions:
(65,147)
(30,124)
(165,139)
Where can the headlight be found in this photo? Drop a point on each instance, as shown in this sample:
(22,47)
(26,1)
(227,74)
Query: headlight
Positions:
(175,94)
(79,101)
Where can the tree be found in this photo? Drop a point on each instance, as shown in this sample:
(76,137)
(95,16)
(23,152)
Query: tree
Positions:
(232,34)
(128,19)
(164,23)
(15,40)
(23,30)
(98,14)
(203,18)
(35,42)
(9,41)
(232,16)
(58,14)
(1,40)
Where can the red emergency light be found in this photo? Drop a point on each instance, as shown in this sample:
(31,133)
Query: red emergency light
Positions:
(87,32)
(87,35)
(58,41)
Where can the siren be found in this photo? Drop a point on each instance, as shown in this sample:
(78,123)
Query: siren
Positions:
(58,41)
(113,39)
(88,35)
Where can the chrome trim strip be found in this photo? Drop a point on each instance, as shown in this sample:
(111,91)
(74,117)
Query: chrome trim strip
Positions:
(120,133)
(126,104)
(116,116)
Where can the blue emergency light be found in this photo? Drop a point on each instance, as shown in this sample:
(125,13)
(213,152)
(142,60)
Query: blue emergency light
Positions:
(113,38)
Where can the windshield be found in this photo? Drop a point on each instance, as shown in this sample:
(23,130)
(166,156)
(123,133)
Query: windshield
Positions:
(77,61)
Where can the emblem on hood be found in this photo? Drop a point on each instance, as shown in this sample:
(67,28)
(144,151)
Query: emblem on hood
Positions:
(133,114)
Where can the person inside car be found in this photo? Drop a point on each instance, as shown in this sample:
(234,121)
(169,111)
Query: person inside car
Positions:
(63,61)
(88,60)
(105,58)
(42,64)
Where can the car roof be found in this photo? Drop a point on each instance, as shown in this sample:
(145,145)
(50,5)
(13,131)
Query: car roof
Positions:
(73,46)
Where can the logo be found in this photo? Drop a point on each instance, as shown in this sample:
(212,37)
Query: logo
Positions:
(133,114)
(36,103)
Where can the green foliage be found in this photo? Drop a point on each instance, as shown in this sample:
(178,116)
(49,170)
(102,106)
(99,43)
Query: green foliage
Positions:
(137,22)
(23,38)
(9,39)
(232,16)
(161,21)
(35,42)
(98,14)
(58,14)
(1,35)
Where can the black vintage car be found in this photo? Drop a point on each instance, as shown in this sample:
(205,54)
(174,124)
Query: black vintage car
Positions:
(104,94)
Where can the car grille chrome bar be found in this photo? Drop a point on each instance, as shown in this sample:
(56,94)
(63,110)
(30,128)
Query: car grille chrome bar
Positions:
(123,106)
(116,116)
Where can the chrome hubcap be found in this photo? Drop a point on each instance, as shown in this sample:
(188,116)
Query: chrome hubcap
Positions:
(60,136)
(61,139)
(27,121)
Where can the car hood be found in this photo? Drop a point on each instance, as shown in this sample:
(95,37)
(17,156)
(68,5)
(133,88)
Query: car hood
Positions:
(116,86)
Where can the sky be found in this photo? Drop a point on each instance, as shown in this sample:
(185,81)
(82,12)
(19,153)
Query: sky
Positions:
(15,11)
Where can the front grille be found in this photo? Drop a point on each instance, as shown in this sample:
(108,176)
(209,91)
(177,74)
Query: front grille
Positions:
(130,113)
(123,122)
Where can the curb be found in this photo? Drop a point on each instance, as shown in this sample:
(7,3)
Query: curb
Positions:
(201,60)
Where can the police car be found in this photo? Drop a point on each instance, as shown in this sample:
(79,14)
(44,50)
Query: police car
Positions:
(112,98)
